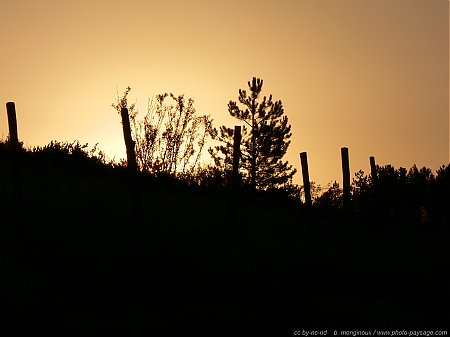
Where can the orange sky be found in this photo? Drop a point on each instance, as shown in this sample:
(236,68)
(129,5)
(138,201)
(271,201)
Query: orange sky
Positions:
(371,75)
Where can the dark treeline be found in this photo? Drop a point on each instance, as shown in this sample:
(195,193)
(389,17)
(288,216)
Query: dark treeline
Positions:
(399,195)
(201,259)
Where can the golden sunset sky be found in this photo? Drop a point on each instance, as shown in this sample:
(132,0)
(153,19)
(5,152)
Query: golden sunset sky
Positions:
(372,75)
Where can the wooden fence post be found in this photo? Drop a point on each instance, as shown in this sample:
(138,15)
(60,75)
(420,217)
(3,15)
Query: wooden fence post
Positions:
(373,169)
(12,124)
(235,179)
(345,177)
(129,143)
(15,164)
(135,189)
(306,183)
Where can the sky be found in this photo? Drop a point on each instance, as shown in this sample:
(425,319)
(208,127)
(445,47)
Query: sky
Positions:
(371,75)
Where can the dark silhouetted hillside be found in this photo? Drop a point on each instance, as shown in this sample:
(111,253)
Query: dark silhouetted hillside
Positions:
(77,260)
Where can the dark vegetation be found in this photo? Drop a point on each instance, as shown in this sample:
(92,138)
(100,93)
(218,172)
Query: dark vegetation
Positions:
(93,251)
(170,138)
(265,140)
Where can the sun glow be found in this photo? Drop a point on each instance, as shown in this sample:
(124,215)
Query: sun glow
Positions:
(372,76)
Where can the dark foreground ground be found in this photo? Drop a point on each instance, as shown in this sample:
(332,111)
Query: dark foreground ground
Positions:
(79,259)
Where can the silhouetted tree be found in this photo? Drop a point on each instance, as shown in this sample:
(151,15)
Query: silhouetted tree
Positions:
(361,183)
(265,140)
(170,138)
(442,197)
(398,194)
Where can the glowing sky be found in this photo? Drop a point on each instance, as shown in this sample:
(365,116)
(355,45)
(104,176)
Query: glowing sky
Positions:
(371,75)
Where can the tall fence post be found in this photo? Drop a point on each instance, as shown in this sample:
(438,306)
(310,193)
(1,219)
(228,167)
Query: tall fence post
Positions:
(12,124)
(135,189)
(129,143)
(373,169)
(15,163)
(235,179)
(345,177)
(306,183)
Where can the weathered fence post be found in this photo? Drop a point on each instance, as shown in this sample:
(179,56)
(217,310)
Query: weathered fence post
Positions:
(373,169)
(12,124)
(129,143)
(135,189)
(345,177)
(306,183)
(235,179)
(15,163)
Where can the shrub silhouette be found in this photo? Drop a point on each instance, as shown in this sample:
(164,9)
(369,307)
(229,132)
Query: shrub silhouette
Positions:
(170,138)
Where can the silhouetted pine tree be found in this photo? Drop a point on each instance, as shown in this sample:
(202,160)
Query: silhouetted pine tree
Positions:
(265,140)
